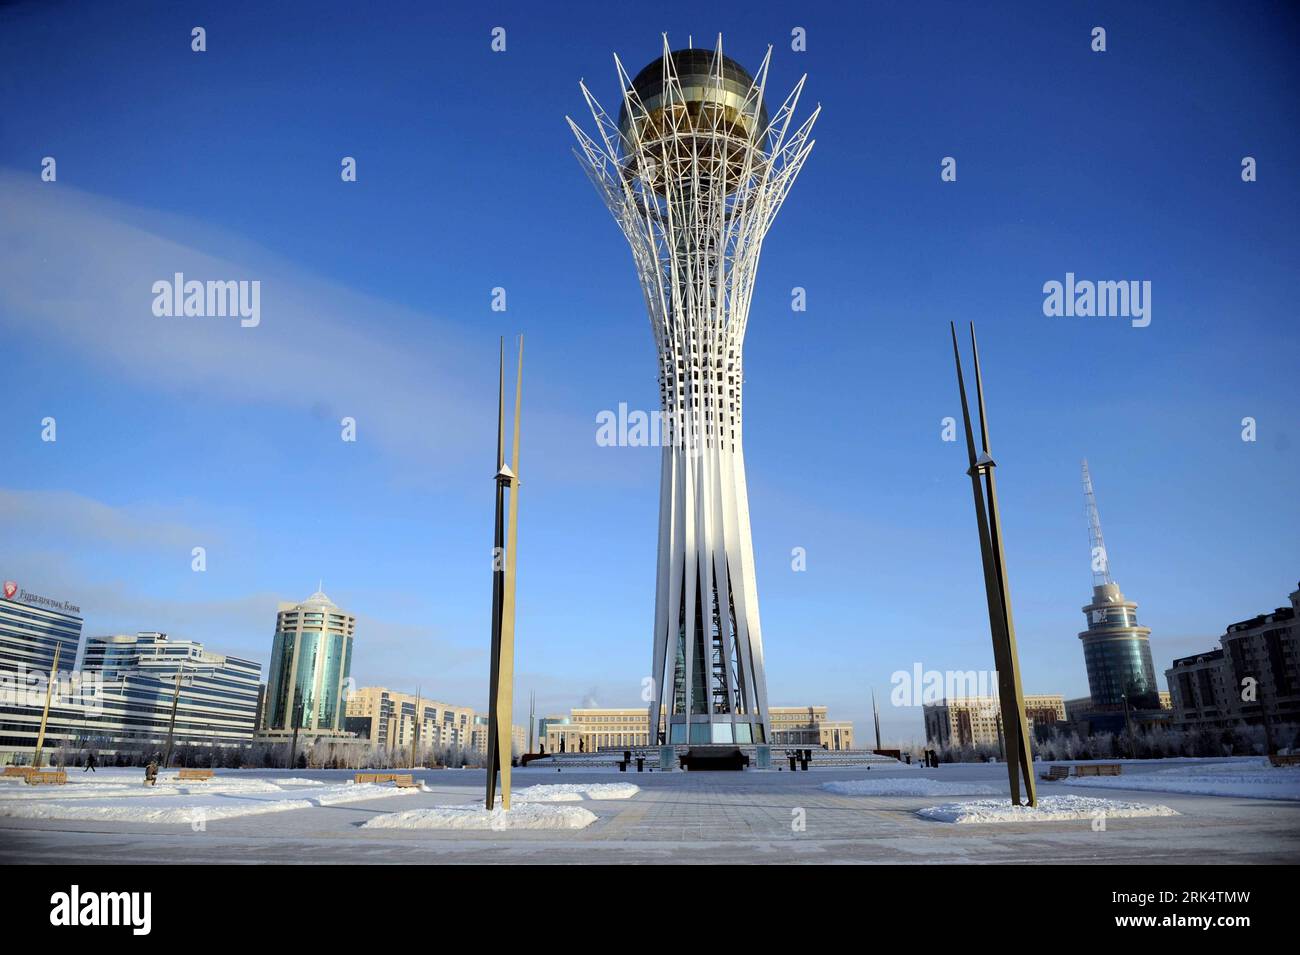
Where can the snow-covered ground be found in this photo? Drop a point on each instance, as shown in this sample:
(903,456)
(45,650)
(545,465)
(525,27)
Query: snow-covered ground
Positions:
(189,813)
(576,792)
(109,796)
(1049,809)
(906,787)
(1246,778)
(525,816)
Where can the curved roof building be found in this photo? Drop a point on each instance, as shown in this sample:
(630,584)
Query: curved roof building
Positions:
(311,660)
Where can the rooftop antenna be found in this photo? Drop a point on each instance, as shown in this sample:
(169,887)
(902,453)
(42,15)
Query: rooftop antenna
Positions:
(1100,561)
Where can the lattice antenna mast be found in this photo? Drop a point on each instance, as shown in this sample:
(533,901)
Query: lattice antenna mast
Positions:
(1100,559)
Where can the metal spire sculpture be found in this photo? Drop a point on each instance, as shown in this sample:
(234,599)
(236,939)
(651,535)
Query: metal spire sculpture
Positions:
(1010,694)
(502,680)
(693,170)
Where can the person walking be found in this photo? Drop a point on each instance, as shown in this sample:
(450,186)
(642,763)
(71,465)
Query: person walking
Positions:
(90,762)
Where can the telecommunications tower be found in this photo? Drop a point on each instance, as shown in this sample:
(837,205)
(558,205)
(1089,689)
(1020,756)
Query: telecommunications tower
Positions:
(1116,649)
(693,170)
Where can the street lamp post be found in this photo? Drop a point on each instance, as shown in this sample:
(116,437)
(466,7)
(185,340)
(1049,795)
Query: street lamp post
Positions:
(171,725)
(505,543)
(1128,729)
(45,715)
(415,734)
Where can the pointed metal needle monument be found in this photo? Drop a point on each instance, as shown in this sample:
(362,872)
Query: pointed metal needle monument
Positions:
(1010,694)
(501,688)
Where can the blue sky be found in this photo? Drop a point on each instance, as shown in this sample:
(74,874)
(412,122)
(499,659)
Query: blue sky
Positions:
(175,433)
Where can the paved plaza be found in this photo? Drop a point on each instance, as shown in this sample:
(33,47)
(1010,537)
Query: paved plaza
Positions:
(749,817)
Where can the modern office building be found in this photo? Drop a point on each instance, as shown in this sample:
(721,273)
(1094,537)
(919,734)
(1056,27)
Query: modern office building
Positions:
(32,627)
(311,659)
(216,703)
(975,720)
(1253,674)
(592,729)
(694,171)
(122,698)
(388,719)
(1116,649)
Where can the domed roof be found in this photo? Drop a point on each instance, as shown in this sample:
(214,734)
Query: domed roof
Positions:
(696,68)
(318,599)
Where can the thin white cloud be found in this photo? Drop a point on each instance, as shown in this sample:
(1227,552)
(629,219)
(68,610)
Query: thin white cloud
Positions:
(78,273)
(29,514)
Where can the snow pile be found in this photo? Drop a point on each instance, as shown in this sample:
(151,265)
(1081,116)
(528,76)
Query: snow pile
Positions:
(1049,809)
(526,816)
(355,792)
(221,798)
(907,787)
(1236,765)
(166,786)
(1252,782)
(172,814)
(576,792)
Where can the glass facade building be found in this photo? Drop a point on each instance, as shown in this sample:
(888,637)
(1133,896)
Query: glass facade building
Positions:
(30,633)
(1117,653)
(311,660)
(216,703)
(121,700)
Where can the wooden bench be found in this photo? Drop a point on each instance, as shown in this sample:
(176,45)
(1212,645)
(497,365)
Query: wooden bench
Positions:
(51,778)
(1100,769)
(19,770)
(196,774)
(405,781)
(1277,759)
(1056,774)
(402,780)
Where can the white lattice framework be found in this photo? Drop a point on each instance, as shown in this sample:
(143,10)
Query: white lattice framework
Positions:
(694,178)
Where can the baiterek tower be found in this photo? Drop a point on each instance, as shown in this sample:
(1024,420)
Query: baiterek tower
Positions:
(693,170)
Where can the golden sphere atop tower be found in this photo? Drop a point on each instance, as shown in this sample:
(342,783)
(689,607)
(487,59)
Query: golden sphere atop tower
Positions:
(707,125)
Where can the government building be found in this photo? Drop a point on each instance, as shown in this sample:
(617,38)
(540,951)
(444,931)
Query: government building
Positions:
(591,729)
